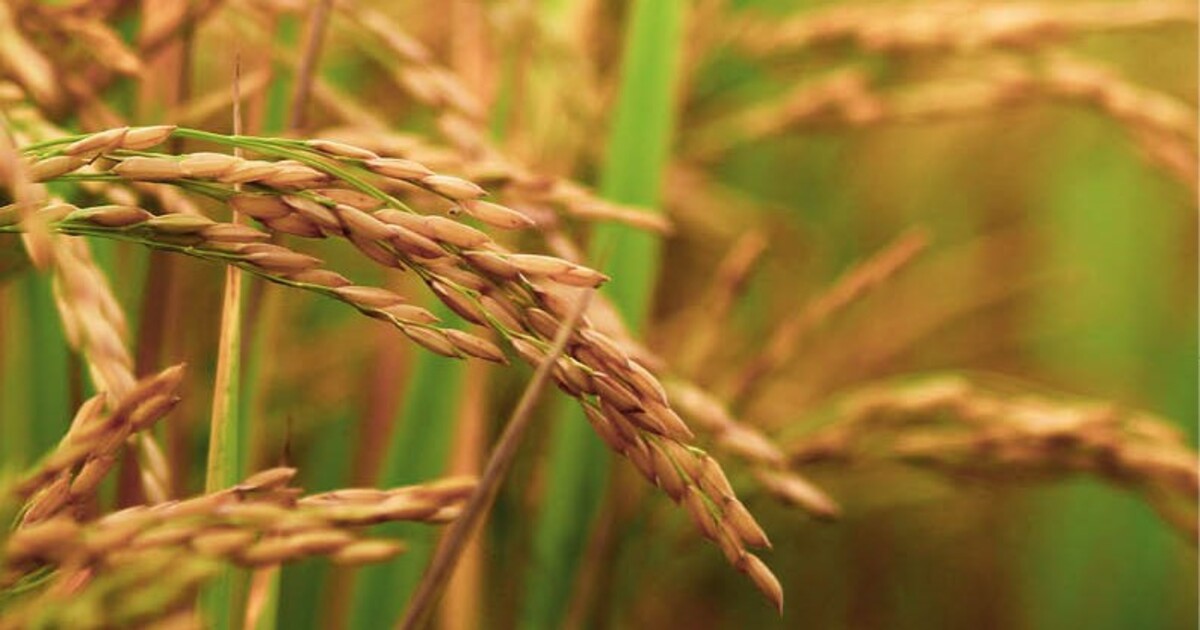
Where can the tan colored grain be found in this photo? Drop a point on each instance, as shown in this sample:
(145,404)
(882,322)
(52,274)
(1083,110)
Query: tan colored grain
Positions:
(597,364)
(936,27)
(497,216)
(955,427)
(87,452)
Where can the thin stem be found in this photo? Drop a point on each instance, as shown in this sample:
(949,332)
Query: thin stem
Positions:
(224,447)
(317,21)
(459,532)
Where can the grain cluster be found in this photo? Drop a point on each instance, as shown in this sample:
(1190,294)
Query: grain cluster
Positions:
(322,188)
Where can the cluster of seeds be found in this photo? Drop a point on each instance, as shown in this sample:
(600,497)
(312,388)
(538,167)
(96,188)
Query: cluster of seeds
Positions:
(949,26)
(849,98)
(156,589)
(259,522)
(963,430)
(247,249)
(767,461)
(1161,125)
(511,181)
(70,474)
(93,321)
(322,188)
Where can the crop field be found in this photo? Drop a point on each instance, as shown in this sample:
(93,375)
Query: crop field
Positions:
(590,314)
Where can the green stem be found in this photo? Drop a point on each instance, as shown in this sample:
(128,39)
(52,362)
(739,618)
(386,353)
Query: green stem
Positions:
(223,598)
(638,151)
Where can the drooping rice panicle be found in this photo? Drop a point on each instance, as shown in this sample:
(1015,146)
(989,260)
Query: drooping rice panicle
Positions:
(460,264)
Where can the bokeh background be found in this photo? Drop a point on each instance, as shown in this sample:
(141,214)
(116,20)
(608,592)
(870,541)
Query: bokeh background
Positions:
(1049,170)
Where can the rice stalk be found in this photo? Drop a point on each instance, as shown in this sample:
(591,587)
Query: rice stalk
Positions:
(1161,125)
(259,522)
(963,430)
(224,599)
(638,148)
(932,28)
(67,478)
(394,236)
(93,323)
(31,327)
(462,123)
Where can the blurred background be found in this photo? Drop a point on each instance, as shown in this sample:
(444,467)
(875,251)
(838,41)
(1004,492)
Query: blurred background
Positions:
(861,195)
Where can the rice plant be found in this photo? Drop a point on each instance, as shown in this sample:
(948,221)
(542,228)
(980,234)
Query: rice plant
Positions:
(861,315)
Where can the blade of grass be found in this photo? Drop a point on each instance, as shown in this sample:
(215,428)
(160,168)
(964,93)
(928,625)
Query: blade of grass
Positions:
(223,600)
(314,36)
(638,150)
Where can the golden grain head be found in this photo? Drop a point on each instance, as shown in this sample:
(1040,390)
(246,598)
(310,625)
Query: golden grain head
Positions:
(341,149)
(179,223)
(141,138)
(399,168)
(208,165)
(454,233)
(369,297)
(497,216)
(149,169)
(432,339)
